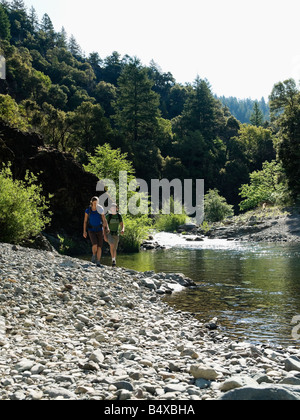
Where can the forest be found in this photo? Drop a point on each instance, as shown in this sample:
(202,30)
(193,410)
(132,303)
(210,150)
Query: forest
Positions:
(166,129)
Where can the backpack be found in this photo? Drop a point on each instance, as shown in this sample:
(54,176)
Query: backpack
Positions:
(110,217)
(89,224)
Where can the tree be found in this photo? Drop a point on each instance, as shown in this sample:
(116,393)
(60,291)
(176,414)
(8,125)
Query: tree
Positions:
(199,112)
(200,134)
(22,207)
(200,157)
(137,105)
(289,149)
(267,185)
(242,109)
(25,82)
(257,117)
(96,62)
(39,85)
(106,94)
(113,67)
(106,163)
(163,82)
(20,24)
(12,114)
(62,39)
(285,105)
(56,126)
(91,127)
(48,29)
(137,116)
(177,97)
(215,207)
(257,145)
(283,97)
(33,19)
(57,97)
(74,48)
(4,24)
(47,25)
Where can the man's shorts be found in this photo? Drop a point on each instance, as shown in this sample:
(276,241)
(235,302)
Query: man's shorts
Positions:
(96,238)
(113,240)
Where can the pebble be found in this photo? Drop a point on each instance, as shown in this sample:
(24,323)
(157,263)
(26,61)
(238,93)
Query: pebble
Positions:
(72,331)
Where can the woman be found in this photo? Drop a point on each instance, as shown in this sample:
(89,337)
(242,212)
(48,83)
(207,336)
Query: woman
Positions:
(94,221)
(111,233)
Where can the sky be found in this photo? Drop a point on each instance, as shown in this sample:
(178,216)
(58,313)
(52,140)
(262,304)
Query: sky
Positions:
(241,47)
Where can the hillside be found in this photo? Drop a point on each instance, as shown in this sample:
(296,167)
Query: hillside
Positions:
(77,103)
(166,129)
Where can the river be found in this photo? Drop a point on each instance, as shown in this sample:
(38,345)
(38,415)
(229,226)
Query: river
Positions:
(253,289)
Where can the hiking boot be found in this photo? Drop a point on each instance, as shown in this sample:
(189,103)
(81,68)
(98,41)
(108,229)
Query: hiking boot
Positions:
(114,264)
(94,259)
(99,264)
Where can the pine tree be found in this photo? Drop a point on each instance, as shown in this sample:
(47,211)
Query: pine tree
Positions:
(4,24)
(20,25)
(62,39)
(18,5)
(33,19)
(285,107)
(137,106)
(74,47)
(47,25)
(199,113)
(137,114)
(257,117)
(113,67)
(47,34)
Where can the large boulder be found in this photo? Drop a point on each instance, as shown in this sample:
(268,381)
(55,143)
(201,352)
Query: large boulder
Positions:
(187,227)
(292,364)
(264,393)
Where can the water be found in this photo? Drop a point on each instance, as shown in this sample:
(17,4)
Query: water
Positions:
(253,289)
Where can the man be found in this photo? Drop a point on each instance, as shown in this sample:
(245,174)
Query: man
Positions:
(111,234)
(94,221)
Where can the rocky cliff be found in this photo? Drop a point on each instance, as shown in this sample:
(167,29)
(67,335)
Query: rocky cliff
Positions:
(60,175)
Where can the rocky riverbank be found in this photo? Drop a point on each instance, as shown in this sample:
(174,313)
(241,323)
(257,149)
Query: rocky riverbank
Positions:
(269,225)
(69,330)
(281,228)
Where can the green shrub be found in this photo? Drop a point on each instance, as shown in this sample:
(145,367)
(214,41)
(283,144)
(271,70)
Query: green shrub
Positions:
(22,207)
(136,231)
(205,227)
(216,208)
(67,246)
(169,222)
(268,185)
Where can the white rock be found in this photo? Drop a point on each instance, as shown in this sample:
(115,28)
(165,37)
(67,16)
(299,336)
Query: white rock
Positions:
(24,365)
(237,382)
(204,372)
(97,356)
